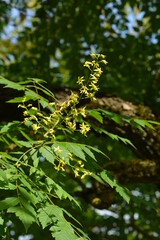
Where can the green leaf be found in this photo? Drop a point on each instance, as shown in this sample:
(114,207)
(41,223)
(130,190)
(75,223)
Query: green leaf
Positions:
(144,123)
(31,95)
(123,192)
(47,153)
(117,119)
(10,84)
(32,170)
(89,152)
(106,113)
(126,141)
(96,115)
(3,175)
(49,214)
(16,100)
(8,202)
(25,193)
(37,80)
(116,137)
(35,158)
(4,185)
(60,192)
(44,102)
(76,149)
(9,126)
(27,205)
(1,220)
(24,215)
(63,231)
(26,136)
(97,150)
(25,182)
(25,143)
(141,124)
(46,90)
(105,175)
(95,176)
(153,122)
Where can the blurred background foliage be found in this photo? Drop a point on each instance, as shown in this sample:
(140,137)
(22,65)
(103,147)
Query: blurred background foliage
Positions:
(51,40)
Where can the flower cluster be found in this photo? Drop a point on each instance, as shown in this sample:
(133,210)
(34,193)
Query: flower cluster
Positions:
(89,88)
(77,166)
(66,113)
(84,128)
(39,120)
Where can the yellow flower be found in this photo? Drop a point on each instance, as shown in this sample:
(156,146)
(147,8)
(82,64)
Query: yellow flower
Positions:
(21,106)
(51,104)
(32,117)
(85,174)
(82,111)
(51,131)
(102,56)
(104,61)
(74,97)
(39,114)
(92,96)
(69,102)
(63,106)
(57,150)
(80,80)
(84,128)
(62,164)
(75,112)
(76,172)
(72,126)
(57,167)
(26,119)
(25,113)
(48,119)
(29,105)
(81,164)
(98,71)
(93,77)
(45,121)
(70,156)
(46,135)
(93,55)
(35,127)
(54,114)
(84,90)
(93,87)
(87,64)
(34,108)
(67,119)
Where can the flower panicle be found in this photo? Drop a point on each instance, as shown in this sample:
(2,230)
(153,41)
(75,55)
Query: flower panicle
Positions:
(66,113)
(90,87)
